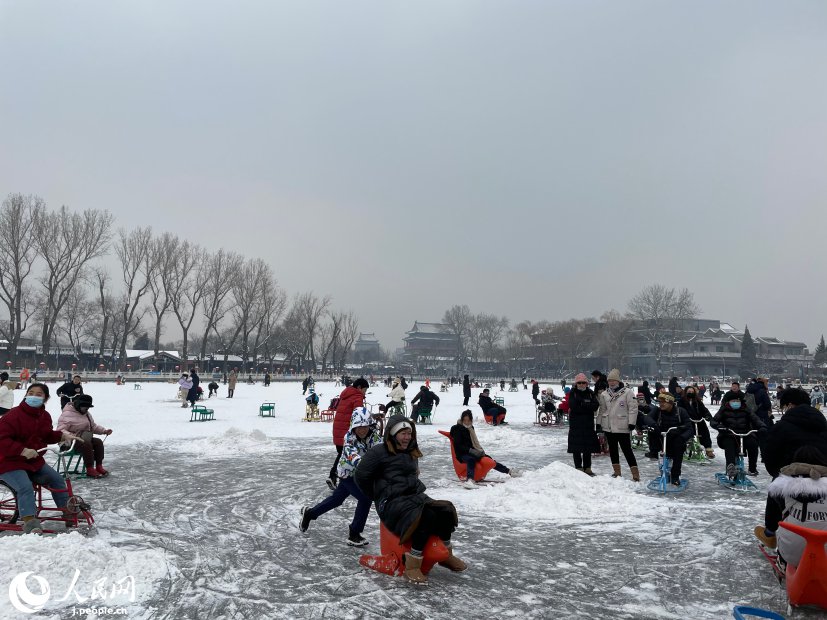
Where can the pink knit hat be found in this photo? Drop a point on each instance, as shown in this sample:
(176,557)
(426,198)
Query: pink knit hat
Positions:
(581,377)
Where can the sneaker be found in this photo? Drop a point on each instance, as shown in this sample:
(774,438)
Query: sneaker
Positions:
(766,537)
(710,453)
(731,471)
(469,484)
(306,519)
(331,483)
(32,526)
(356,540)
(514,473)
(752,472)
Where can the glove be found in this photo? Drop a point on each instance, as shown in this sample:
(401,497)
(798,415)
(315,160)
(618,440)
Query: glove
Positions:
(108,431)
(598,428)
(28,453)
(631,427)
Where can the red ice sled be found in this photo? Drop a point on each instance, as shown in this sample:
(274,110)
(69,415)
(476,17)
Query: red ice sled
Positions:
(390,562)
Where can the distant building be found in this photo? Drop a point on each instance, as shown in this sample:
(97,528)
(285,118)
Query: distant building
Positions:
(429,346)
(366,348)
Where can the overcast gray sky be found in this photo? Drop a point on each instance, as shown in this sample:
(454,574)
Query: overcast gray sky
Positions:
(537,159)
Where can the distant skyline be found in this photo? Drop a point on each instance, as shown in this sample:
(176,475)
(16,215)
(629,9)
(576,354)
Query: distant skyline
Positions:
(534,159)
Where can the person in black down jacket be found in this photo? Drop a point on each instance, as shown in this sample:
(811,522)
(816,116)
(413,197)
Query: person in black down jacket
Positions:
(582,440)
(468,448)
(669,415)
(489,407)
(425,399)
(72,388)
(389,474)
(800,425)
(692,402)
(734,416)
(466,390)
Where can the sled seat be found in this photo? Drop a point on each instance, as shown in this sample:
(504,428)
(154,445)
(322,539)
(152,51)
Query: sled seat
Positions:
(481,469)
(390,561)
(807,582)
(742,612)
(267,410)
(199,413)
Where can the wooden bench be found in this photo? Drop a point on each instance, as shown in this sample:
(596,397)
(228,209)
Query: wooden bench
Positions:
(199,413)
(267,410)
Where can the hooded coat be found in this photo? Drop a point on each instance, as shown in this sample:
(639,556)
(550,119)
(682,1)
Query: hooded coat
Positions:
(390,478)
(73,421)
(354,448)
(349,399)
(192,393)
(802,489)
(618,409)
(800,426)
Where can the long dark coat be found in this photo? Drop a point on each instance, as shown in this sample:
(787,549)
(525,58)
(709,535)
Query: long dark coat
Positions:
(391,479)
(800,426)
(582,407)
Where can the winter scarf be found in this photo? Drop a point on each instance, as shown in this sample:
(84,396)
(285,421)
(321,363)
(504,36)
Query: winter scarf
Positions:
(474,441)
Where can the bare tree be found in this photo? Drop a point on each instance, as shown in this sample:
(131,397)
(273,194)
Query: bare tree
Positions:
(614,336)
(222,268)
(347,336)
(275,303)
(661,312)
(105,309)
(164,254)
(491,329)
(18,252)
(186,288)
(137,270)
(309,310)
(67,242)
(78,319)
(458,321)
(329,336)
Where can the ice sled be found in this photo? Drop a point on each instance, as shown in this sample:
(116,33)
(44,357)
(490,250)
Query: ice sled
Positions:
(489,419)
(390,562)
(807,582)
(481,469)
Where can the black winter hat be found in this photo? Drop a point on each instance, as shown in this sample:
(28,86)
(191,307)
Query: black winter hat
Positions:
(794,396)
(82,400)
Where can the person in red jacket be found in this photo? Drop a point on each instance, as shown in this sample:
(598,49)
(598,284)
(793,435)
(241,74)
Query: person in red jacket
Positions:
(352,397)
(24,430)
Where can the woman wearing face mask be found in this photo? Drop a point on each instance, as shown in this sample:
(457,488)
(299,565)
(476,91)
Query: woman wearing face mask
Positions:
(734,416)
(76,419)
(696,409)
(582,441)
(468,449)
(24,430)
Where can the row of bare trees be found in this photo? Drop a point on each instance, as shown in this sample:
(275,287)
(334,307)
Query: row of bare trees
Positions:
(655,316)
(51,281)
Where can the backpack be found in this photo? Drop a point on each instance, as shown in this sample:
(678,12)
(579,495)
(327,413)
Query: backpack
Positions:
(752,406)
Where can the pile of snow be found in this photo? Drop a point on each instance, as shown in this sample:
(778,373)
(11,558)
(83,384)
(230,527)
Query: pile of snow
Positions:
(71,570)
(560,493)
(231,442)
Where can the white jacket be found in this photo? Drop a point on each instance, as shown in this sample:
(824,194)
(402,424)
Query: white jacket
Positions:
(617,410)
(397,394)
(7,395)
(805,503)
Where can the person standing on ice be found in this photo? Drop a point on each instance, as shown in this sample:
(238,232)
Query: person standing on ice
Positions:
(192,393)
(361,437)
(231,381)
(535,391)
(582,441)
(184,387)
(617,418)
(351,398)
(466,390)
(389,475)
(600,381)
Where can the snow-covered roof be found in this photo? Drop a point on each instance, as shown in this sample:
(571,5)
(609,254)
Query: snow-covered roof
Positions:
(143,354)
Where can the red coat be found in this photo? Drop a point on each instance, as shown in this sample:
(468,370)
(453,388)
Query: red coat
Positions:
(25,427)
(350,399)
(564,406)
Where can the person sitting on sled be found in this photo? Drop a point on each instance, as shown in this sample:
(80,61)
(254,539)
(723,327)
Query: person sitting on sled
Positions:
(801,492)
(669,415)
(389,474)
(312,398)
(489,407)
(468,449)
(734,416)
(692,402)
(361,437)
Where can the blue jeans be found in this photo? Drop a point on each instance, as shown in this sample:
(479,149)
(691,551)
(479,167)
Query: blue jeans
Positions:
(345,488)
(21,481)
